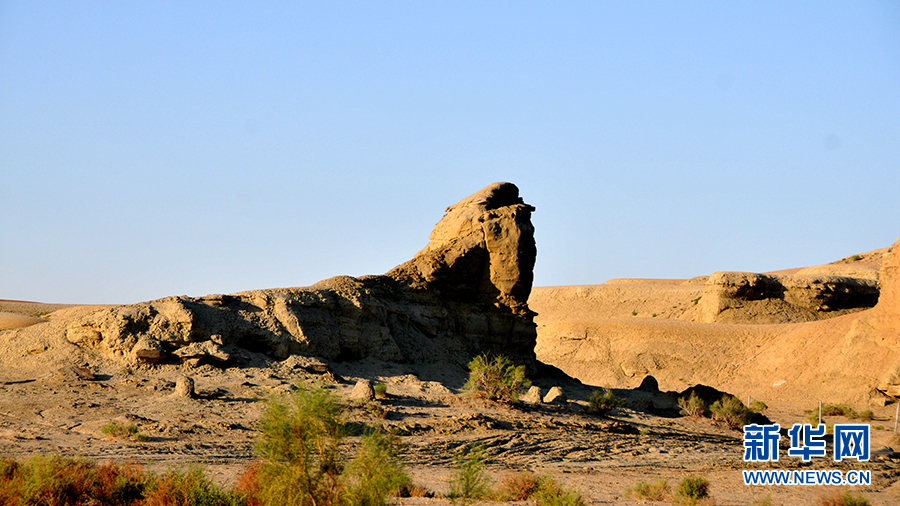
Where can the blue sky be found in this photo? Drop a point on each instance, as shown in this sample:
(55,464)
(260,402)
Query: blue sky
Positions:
(150,149)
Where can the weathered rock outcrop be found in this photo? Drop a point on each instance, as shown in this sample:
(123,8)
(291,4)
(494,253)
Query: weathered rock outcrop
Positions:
(889,276)
(747,297)
(463,294)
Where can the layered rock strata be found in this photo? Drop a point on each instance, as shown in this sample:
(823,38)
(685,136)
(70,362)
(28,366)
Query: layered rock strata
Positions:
(465,293)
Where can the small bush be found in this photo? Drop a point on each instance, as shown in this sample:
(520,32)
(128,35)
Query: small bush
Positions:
(758,406)
(496,379)
(692,406)
(601,404)
(376,472)
(839,410)
(867,415)
(380,390)
(468,482)
(545,491)
(765,500)
(731,411)
(551,493)
(112,429)
(518,486)
(53,480)
(658,490)
(192,487)
(303,465)
(691,490)
(843,498)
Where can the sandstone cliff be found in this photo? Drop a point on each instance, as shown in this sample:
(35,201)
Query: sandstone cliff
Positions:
(465,293)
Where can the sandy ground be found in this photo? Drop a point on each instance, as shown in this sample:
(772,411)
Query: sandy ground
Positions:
(55,398)
(62,410)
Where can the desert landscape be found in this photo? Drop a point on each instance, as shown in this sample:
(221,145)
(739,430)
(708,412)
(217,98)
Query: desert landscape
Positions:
(192,373)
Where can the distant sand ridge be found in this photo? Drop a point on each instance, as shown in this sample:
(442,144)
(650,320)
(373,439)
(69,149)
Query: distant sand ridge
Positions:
(798,336)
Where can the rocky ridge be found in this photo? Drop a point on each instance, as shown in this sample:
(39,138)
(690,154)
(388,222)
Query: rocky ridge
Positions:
(465,293)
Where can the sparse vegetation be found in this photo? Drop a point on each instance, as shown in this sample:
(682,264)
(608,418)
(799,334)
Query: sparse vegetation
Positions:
(843,498)
(691,490)
(657,490)
(839,410)
(634,313)
(867,415)
(693,405)
(765,500)
(497,379)
(731,411)
(130,432)
(468,482)
(376,473)
(603,403)
(303,463)
(758,406)
(518,486)
(551,493)
(54,480)
(192,487)
(525,485)
(380,390)
(695,301)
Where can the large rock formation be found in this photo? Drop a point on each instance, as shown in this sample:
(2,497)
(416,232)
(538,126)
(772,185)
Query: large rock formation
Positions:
(463,294)
(747,297)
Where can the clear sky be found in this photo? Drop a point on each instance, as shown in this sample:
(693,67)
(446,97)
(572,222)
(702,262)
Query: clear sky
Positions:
(150,149)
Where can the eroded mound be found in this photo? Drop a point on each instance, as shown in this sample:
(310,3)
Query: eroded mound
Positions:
(465,293)
(792,336)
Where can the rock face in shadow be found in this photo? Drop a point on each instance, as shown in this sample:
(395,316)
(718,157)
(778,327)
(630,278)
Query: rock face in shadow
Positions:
(465,293)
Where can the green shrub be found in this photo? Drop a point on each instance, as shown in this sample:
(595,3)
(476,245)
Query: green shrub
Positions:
(867,415)
(601,404)
(692,406)
(518,486)
(300,442)
(731,411)
(468,481)
(112,429)
(192,487)
(691,490)
(658,490)
(758,406)
(376,472)
(525,486)
(380,390)
(550,493)
(843,498)
(765,500)
(496,379)
(839,410)
(59,480)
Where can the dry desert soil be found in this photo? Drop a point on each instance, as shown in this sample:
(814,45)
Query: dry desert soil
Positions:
(55,397)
